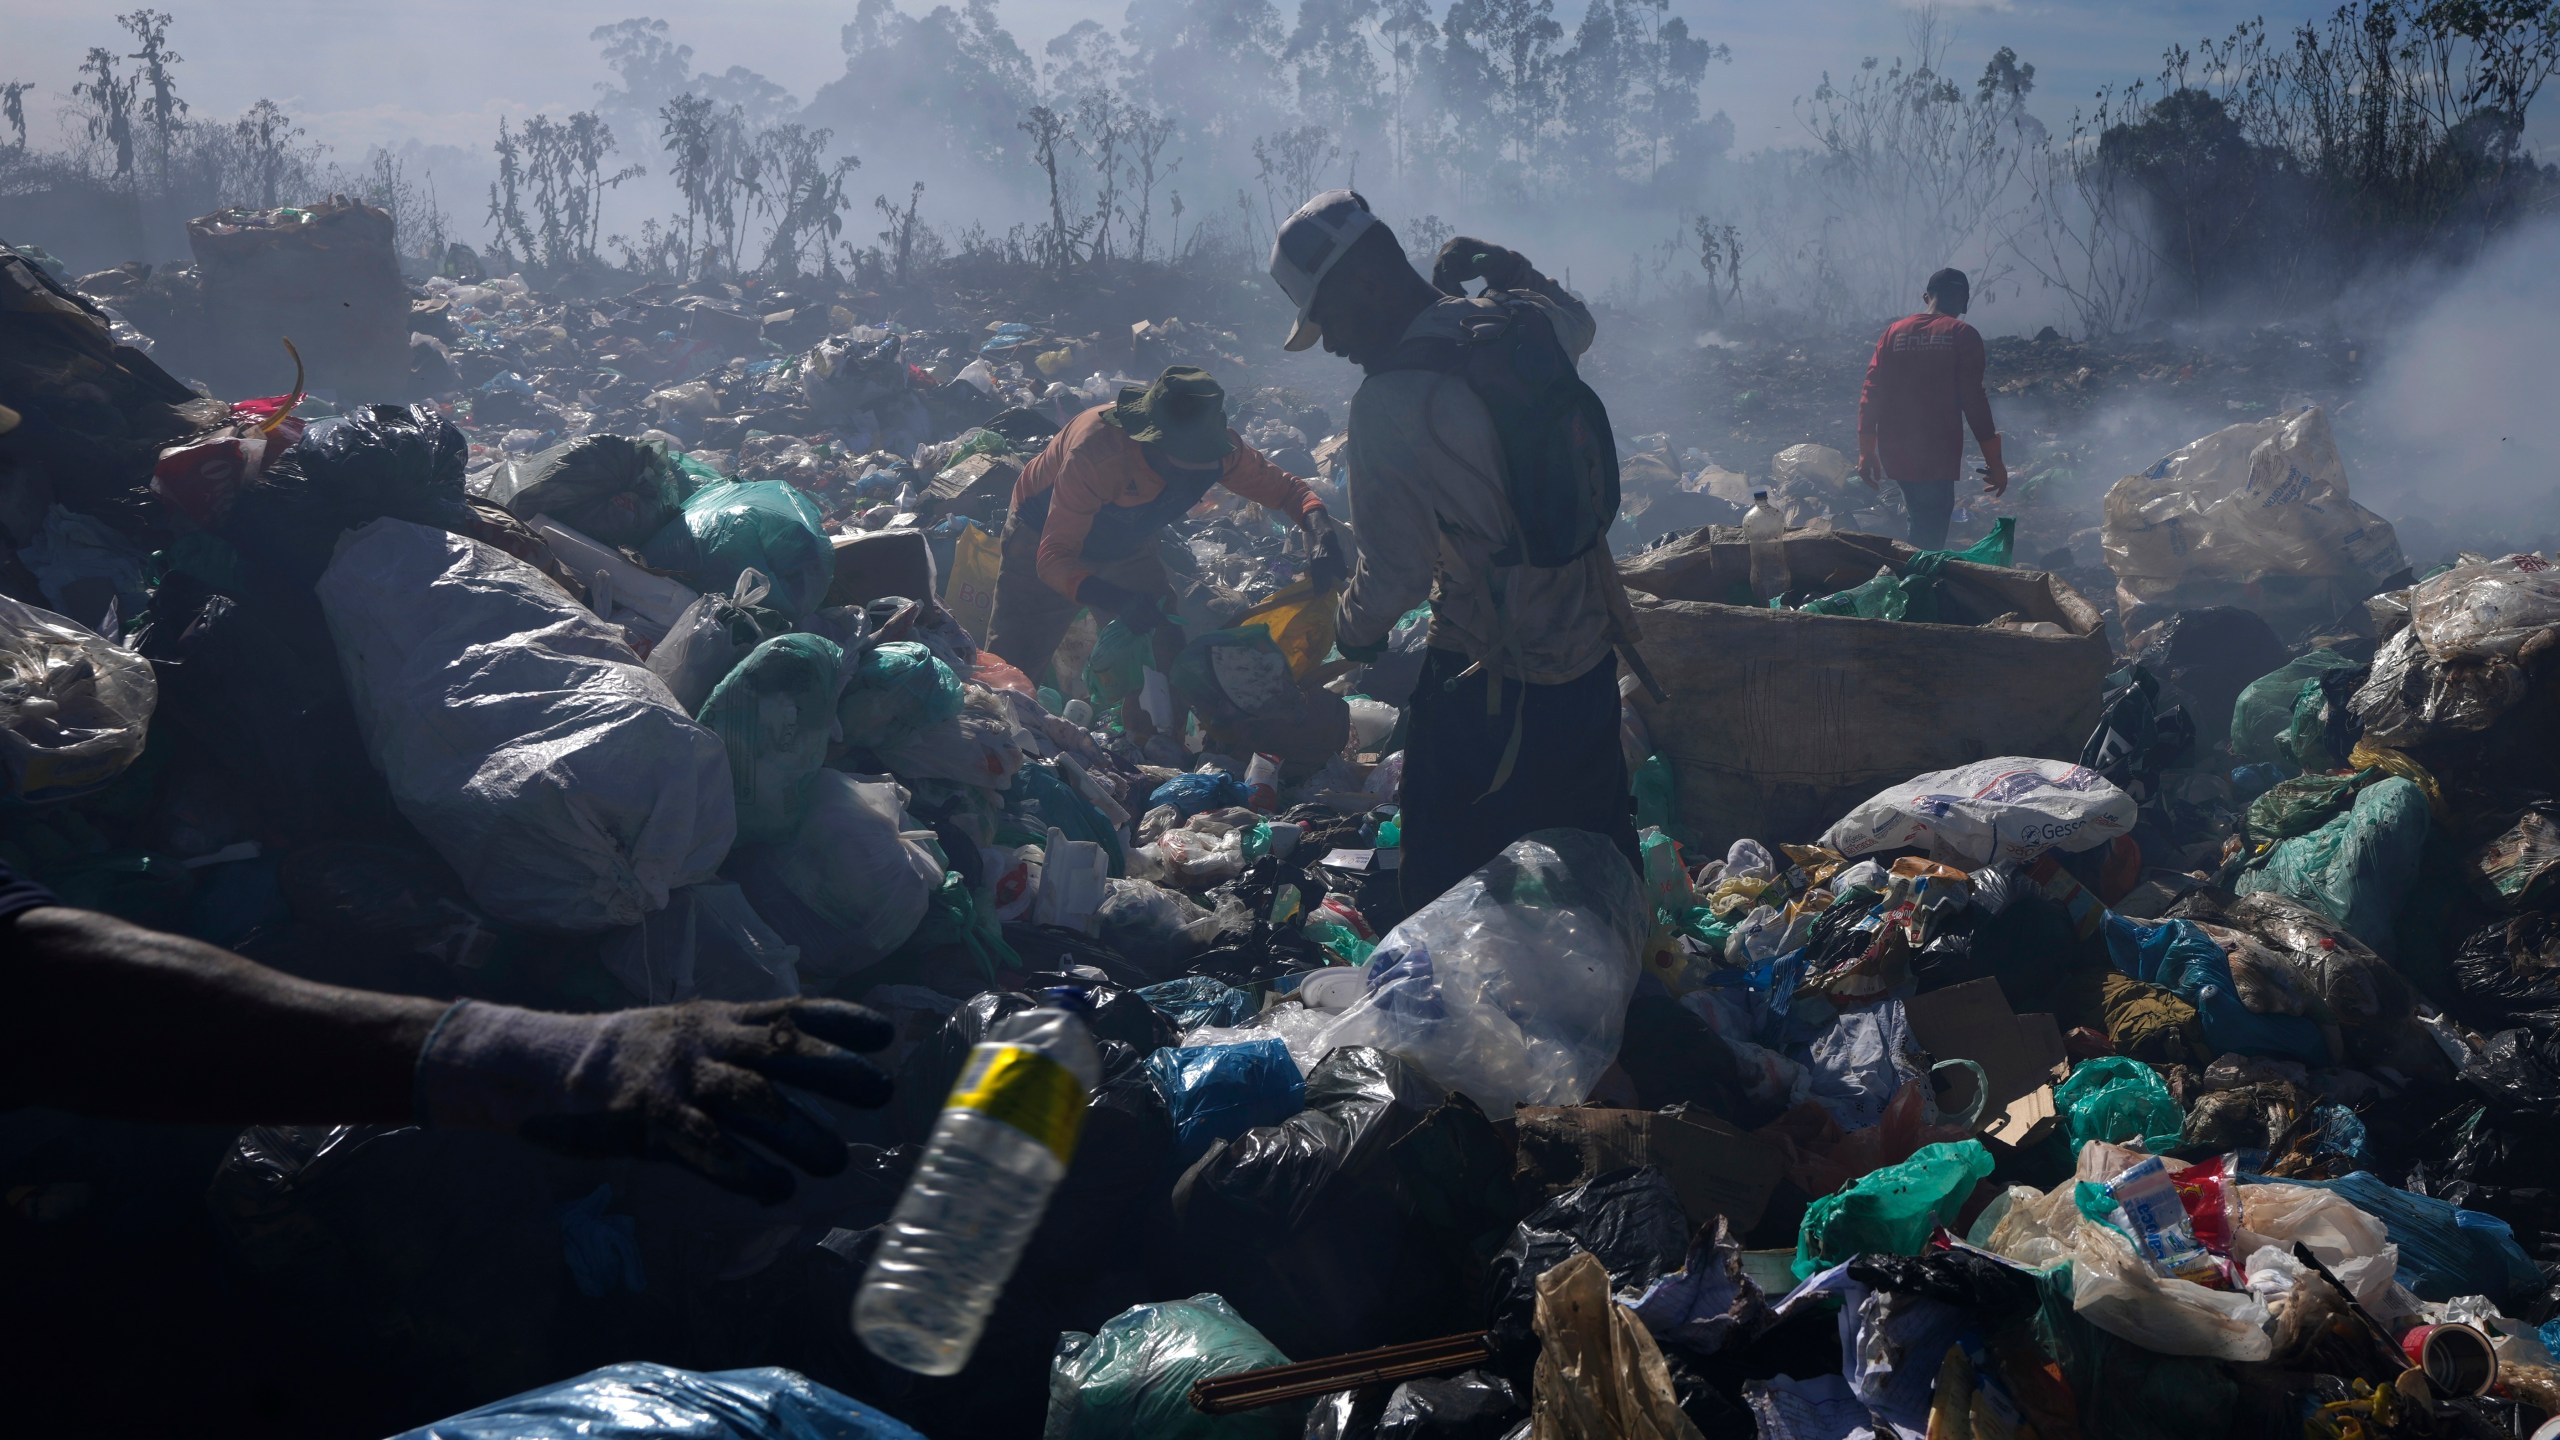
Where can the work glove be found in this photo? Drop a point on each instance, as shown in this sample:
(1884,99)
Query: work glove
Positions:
(1135,611)
(1328,564)
(1870,464)
(690,1083)
(1466,258)
(1995,470)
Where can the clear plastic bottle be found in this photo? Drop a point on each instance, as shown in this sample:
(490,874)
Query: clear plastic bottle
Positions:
(1765,530)
(1000,1148)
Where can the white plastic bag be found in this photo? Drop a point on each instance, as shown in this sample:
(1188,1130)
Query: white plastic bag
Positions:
(520,734)
(856,871)
(706,642)
(74,707)
(2115,1290)
(2011,808)
(2352,1243)
(708,943)
(1513,986)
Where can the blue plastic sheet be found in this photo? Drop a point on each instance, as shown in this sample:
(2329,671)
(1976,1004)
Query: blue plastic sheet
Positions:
(2177,955)
(1217,1092)
(2445,1251)
(629,1402)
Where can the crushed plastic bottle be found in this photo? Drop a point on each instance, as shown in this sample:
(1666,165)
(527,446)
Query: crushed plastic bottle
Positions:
(996,1155)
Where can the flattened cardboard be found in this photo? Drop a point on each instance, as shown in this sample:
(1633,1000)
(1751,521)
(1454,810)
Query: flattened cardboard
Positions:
(1714,1168)
(1973,1021)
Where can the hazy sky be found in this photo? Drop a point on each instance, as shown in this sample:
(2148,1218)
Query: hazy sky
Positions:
(361,72)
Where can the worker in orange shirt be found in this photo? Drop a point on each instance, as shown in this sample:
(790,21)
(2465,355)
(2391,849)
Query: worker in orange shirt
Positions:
(1091,507)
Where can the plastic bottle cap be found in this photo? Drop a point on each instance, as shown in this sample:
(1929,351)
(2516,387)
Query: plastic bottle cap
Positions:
(1759,494)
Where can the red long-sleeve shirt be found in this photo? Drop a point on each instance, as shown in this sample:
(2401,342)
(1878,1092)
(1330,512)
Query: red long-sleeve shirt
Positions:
(1923,386)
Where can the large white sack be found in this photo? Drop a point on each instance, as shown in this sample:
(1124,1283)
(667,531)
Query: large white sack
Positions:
(521,734)
(2007,809)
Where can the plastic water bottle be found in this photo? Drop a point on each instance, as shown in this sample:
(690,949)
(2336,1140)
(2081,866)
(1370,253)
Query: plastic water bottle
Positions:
(997,1153)
(1765,530)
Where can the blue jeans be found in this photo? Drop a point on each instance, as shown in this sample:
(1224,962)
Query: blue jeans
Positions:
(1931,503)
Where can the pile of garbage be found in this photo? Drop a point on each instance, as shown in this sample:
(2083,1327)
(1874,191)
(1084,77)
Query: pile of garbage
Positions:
(2157,1043)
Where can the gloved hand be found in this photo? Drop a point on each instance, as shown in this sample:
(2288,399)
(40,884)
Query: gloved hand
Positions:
(1870,463)
(1995,470)
(1369,654)
(1135,611)
(1466,258)
(688,1083)
(1327,564)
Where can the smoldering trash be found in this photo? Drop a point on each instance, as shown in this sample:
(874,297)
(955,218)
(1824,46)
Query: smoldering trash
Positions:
(2100,977)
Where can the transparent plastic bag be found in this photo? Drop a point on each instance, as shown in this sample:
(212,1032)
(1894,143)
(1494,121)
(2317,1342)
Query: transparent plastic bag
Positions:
(2491,608)
(1513,986)
(74,707)
(865,883)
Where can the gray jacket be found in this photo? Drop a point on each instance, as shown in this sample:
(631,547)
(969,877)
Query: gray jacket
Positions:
(1428,504)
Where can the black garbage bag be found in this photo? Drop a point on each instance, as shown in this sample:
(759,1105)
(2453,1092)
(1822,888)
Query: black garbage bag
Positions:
(1994,1291)
(2508,974)
(1470,1405)
(436,1255)
(1676,1058)
(1319,1230)
(2207,657)
(402,461)
(926,1076)
(610,488)
(258,688)
(2138,736)
(1630,1220)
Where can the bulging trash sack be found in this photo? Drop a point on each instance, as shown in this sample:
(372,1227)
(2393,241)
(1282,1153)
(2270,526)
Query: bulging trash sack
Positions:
(775,713)
(1134,1376)
(847,886)
(2256,515)
(897,692)
(1513,986)
(763,525)
(2475,635)
(2116,1290)
(2012,808)
(2356,868)
(2119,1100)
(74,706)
(1217,1092)
(630,1401)
(520,734)
(708,640)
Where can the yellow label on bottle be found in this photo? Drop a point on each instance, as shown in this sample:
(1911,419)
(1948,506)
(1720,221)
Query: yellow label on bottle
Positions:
(1026,1090)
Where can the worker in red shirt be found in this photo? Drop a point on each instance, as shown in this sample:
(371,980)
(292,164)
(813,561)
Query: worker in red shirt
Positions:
(1923,387)
(1091,508)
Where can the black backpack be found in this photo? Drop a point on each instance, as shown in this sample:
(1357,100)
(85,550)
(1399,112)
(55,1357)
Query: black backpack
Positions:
(1559,460)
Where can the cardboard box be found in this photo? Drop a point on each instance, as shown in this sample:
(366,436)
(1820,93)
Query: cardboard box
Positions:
(2020,1055)
(1714,1168)
(879,563)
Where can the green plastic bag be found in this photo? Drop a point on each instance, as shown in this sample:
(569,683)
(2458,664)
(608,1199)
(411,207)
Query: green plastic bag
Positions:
(1881,598)
(898,691)
(1134,1376)
(2301,805)
(2356,868)
(765,525)
(1658,797)
(1892,1211)
(1991,549)
(775,713)
(2119,1101)
(2264,715)
(1117,669)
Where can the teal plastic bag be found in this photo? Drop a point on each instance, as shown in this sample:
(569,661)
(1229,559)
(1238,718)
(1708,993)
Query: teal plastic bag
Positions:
(898,691)
(764,525)
(1881,598)
(2263,717)
(1892,1211)
(1118,666)
(1043,800)
(1657,789)
(2121,1102)
(2357,868)
(1134,1376)
(775,713)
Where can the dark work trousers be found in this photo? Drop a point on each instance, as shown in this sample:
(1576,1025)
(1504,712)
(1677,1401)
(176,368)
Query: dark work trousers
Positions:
(1931,503)
(1031,617)
(1570,773)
